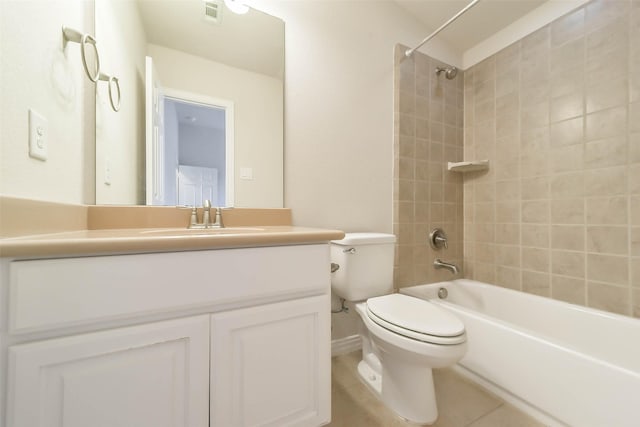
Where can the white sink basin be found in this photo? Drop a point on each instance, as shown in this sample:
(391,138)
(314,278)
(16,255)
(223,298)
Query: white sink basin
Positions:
(201,231)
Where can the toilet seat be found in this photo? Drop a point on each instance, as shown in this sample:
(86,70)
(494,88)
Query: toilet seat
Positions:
(416,319)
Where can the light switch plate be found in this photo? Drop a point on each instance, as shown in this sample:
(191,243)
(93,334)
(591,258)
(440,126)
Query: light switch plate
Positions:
(38,135)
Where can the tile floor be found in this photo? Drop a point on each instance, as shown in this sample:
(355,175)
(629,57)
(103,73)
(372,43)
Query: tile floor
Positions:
(461,403)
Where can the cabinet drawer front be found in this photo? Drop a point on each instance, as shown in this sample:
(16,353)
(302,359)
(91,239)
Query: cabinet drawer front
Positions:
(49,294)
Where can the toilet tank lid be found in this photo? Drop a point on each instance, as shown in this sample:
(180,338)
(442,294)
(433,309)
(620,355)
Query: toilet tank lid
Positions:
(365,239)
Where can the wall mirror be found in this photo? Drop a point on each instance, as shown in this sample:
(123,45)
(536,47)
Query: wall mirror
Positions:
(201,104)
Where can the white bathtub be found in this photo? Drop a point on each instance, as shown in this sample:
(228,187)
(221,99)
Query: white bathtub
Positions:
(565,364)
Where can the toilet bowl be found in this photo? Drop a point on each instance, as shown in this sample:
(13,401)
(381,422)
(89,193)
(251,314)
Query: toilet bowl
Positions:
(403,338)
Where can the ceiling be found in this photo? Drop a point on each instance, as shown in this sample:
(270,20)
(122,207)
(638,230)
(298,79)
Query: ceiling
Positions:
(483,20)
(253,41)
(193,114)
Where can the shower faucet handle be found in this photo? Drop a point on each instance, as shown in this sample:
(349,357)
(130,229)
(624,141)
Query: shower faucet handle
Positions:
(438,239)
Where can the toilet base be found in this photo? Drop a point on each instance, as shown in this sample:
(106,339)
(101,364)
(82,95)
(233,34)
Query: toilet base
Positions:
(406,389)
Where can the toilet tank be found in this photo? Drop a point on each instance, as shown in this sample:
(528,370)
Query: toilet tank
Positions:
(366,265)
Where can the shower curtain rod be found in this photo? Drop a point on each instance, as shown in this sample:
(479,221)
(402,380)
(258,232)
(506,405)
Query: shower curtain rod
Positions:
(409,52)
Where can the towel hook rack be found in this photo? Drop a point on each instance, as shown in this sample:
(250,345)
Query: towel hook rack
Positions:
(71,35)
(112,82)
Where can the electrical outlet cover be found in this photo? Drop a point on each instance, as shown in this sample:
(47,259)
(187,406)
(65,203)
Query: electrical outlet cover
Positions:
(38,135)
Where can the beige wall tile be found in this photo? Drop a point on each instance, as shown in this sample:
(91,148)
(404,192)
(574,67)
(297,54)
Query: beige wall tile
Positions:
(603,12)
(634,266)
(609,297)
(508,82)
(569,237)
(508,277)
(485,212)
(535,211)
(535,235)
(634,116)
(608,269)
(485,252)
(606,123)
(508,190)
(566,129)
(606,182)
(567,82)
(634,178)
(635,241)
(507,212)
(566,107)
(485,232)
(507,255)
(535,259)
(569,289)
(536,283)
(534,116)
(567,56)
(534,188)
(567,263)
(635,210)
(485,272)
(606,152)
(608,240)
(608,65)
(634,147)
(508,234)
(611,93)
(567,132)
(568,27)
(567,185)
(567,211)
(606,210)
(567,159)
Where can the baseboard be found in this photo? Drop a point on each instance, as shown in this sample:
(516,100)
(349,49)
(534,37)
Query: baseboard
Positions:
(345,345)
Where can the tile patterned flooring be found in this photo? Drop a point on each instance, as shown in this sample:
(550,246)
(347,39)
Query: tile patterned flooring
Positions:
(461,403)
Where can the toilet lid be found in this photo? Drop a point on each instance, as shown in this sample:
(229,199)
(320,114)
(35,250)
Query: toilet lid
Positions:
(416,318)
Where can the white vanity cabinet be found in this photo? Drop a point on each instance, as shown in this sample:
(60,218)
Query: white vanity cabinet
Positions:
(221,338)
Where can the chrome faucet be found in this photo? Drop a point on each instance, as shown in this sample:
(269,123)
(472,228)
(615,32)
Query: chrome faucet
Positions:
(438,264)
(206,217)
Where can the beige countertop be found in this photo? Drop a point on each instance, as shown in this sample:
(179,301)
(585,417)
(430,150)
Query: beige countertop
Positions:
(30,228)
(130,240)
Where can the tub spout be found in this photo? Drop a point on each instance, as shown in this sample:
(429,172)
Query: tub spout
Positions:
(438,263)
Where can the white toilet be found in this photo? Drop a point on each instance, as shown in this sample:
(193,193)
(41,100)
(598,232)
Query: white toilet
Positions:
(403,337)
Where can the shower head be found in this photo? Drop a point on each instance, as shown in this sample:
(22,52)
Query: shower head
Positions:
(450,73)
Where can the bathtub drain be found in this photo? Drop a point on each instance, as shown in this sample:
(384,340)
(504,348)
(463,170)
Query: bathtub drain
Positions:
(443,293)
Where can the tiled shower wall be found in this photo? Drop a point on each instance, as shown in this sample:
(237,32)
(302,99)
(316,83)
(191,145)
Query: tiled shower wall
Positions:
(558,115)
(428,133)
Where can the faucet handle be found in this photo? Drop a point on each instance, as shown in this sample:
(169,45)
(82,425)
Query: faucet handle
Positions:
(206,204)
(438,239)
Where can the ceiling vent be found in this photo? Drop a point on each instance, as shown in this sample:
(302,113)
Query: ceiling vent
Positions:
(213,11)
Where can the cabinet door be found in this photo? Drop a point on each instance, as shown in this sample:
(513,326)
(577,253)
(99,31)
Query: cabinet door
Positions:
(270,365)
(149,375)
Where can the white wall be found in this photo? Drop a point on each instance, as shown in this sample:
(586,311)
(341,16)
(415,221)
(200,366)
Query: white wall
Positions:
(35,72)
(120,135)
(339,108)
(258,117)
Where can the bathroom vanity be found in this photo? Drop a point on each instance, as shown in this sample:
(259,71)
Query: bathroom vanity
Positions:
(234,335)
